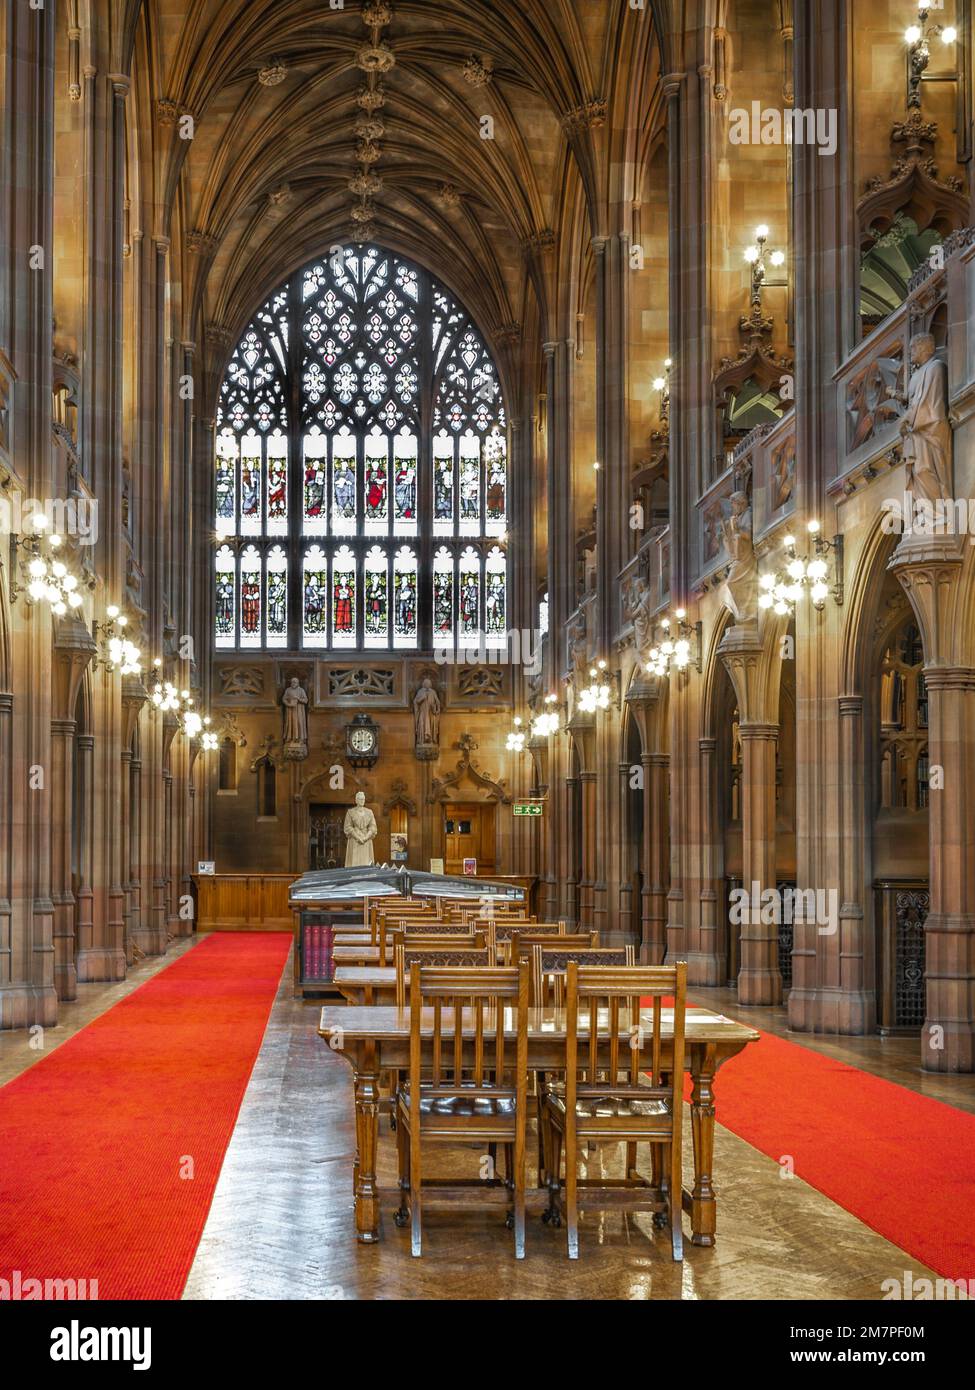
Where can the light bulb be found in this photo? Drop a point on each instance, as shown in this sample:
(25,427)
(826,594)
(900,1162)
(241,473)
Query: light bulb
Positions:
(59,608)
(817,569)
(668,362)
(813,527)
(765,600)
(796,569)
(39,521)
(681,614)
(949,35)
(781,607)
(37,590)
(58,569)
(761,232)
(658,383)
(751,254)
(70,582)
(54,541)
(766,581)
(74,599)
(37,569)
(778,258)
(912,33)
(111,611)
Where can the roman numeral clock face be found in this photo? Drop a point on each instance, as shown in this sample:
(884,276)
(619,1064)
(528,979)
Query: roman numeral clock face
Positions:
(361,742)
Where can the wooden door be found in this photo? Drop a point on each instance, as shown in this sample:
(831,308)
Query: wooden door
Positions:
(469,834)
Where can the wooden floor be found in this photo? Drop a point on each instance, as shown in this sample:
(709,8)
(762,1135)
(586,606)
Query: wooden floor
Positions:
(281,1224)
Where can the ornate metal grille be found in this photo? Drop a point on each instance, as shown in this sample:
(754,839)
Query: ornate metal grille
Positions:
(911,909)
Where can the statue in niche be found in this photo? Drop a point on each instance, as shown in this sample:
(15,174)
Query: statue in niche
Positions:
(426,716)
(639,609)
(360,830)
(739,592)
(295,704)
(924,425)
(578,642)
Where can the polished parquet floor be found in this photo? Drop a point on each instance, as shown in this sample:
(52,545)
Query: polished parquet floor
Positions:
(281,1224)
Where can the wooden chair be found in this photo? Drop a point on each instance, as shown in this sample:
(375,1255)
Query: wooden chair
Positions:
(478,1099)
(550,963)
(441,956)
(428,926)
(504,928)
(519,944)
(604,1099)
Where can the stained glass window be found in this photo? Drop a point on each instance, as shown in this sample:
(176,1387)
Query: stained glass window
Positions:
(277,597)
(250,597)
(226,598)
(360,412)
(404,598)
(376,598)
(343,598)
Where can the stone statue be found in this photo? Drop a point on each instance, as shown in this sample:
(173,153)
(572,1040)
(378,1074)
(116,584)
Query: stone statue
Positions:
(639,609)
(360,830)
(426,715)
(295,702)
(924,426)
(739,592)
(578,643)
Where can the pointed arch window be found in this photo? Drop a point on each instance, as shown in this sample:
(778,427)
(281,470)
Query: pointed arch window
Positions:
(360,467)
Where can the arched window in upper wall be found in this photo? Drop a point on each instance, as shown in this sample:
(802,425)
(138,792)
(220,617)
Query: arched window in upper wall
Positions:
(361,468)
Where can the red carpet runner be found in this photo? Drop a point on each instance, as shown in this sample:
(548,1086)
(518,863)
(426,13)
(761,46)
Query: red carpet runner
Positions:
(97,1138)
(900,1162)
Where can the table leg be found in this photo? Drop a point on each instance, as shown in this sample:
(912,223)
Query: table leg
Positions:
(366,1133)
(702,1200)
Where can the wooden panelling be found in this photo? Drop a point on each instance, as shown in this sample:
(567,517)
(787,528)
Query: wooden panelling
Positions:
(243,902)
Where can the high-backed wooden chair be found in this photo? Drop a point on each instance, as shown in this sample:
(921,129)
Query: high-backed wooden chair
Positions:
(428,926)
(520,943)
(550,963)
(605,1098)
(440,955)
(474,1092)
(504,927)
(440,941)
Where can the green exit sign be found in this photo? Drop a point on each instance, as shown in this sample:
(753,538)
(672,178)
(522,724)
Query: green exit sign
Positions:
(528,808)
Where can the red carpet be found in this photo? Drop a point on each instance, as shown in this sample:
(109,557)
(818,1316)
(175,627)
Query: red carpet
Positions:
(900,1162)
(98,1137)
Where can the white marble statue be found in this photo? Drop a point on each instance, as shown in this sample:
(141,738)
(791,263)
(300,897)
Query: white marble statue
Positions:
(360,831)
(739,592)
(924,426)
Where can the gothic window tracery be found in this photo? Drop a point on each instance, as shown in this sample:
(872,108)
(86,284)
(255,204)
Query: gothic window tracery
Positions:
(360,417)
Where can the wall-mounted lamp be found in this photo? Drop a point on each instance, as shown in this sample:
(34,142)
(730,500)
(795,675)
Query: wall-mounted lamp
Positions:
(116,651)
(516,739)
(782,589)
(918,38)
(45,577)
(680,647)
(598,692)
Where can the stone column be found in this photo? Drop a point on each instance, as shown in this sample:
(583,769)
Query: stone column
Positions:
(744,655)
(932,571)
(62,768)
(656,831)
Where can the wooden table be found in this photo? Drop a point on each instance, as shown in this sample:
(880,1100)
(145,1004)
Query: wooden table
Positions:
(377,1039)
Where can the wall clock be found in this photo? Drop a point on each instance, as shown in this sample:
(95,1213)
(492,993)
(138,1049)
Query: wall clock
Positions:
(362,741)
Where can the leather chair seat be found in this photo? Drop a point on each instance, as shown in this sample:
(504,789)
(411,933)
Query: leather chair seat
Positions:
(458,1105)
(589,1107)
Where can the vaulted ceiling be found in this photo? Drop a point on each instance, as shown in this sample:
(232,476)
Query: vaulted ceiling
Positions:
(488,139)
